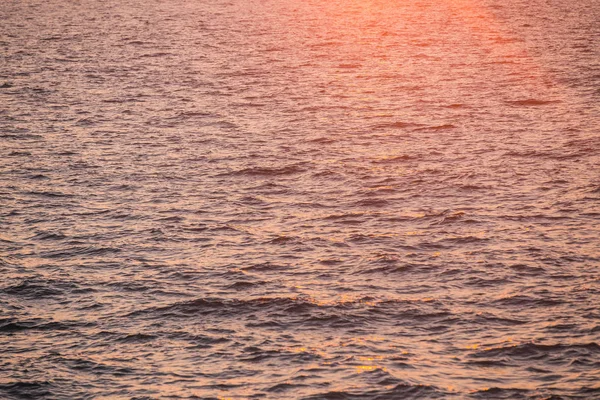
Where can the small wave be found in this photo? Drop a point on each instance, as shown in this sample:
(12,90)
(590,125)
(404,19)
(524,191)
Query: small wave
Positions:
(12,325)
(285,387)
(359,238)
(395,159)
(137,338)
(123,101)
(501,393)
(530,270)
(397,125)
(490,318)
(267,267)
(586,145)
(327,173)
(174,218)
(201,341)
(86,122)
(245,285)
(4,240)
(488,363)
(377,203)
(268,171)
(222,306)
(156,55)
(66,153)
(532,102)
(399,391)
(48,236)
(193,114)
(465,239)
(388,269)
(39,177)
(32,290)
(449,217)
(487,282)
(323,140)
(128,286)
(49,194)
(19,154)
(254,354)
(595,391)
(528,301)
(557,154)
(28,389)
(562,328)
(298,311)
(533,351)
(336,217)
(436,127)
(501,40)
(79,251)
(471,187)
(283,239)
(594,189)
(20,136)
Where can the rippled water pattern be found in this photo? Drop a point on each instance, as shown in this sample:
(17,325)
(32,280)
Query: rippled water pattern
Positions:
(341,199)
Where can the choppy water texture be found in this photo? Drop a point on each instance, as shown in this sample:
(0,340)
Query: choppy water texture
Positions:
(341,199)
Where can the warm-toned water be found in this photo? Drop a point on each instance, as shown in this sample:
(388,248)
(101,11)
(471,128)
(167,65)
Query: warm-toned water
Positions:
(313,199)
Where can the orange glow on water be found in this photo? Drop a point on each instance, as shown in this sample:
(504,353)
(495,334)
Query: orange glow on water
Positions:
(317,199)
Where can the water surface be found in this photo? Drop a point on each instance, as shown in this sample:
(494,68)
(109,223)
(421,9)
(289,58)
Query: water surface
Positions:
(342,199)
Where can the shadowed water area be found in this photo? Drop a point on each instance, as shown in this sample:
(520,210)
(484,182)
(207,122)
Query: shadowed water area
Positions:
(272,199)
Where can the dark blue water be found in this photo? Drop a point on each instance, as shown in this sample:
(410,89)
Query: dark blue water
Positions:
(343,199)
